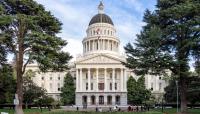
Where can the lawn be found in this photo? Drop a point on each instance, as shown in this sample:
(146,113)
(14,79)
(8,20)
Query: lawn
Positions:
(45,111)
(26,111)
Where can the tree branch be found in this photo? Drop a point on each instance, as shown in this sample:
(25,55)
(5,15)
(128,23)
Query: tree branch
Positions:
(24,67)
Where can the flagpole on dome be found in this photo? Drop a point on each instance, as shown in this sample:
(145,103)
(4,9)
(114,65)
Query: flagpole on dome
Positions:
(100,11)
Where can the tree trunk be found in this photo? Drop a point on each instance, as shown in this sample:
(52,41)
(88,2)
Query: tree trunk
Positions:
(19,67)
(183,89)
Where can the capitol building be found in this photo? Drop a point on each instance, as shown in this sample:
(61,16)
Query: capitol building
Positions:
(101,78)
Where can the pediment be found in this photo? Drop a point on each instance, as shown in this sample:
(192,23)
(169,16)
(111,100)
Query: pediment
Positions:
(100,59)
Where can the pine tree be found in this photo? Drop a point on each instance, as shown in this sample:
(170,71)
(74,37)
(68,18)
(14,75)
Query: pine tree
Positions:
(30,34)
(137,92)
(68,90)
(167,43)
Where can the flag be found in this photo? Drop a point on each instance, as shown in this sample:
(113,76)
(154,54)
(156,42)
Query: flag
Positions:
(98,33)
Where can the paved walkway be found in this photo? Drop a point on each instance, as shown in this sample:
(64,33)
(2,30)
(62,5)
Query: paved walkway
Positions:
(104,109)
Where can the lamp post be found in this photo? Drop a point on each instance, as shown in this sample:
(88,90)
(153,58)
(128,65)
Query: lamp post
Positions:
(177,95)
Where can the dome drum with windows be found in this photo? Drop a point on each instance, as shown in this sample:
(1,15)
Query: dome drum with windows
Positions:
(101,35)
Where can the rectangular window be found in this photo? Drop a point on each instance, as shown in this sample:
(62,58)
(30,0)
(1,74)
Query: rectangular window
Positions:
(101,86)
(50,78)
(110,86)
(101,100)
(91,86)
(86,75)
(115,86)
(160,86)
(58,86)
(92,76)
(86,86)
(116,76)
(151,86)
(110,75)
(59,78)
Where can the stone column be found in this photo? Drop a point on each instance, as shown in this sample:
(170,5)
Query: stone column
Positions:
(108,46)
(125,80)
(105,79)
(97,79)
(88,100)
(105,100)
(89,88)
(77,88)
(113,79)
(93,45)
(121,79)
(89,45)
(113,99)
(97,100)
(81,80)
(103,44)
(111,45)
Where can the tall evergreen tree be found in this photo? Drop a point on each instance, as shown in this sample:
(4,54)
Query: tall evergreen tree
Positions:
(137,92)
(29,33)
(68,90)
(169,40)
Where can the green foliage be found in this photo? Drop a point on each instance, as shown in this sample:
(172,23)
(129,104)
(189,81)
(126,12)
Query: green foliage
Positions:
(29,32)
(68,90)
(37,30)
(193,92)
(168,41)
(31,91)
(137,93)
(7,85)
(171,92)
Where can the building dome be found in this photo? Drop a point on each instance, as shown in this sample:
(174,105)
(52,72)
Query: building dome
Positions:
(101,18)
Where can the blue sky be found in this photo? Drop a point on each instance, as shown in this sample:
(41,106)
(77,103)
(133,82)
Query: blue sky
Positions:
(75,15)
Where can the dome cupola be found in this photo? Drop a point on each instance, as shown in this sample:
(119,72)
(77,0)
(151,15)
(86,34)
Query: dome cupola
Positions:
(101,35)
(101,17)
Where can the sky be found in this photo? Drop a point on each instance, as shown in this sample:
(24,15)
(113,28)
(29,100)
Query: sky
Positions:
(75,15)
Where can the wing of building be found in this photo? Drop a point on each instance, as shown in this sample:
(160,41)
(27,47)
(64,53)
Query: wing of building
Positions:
(100,76)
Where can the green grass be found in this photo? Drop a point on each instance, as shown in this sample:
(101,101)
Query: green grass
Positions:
(26,111)
(59,111)
(173,111)
(65,112)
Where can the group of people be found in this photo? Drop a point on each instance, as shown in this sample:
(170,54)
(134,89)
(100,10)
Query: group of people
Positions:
(137,108)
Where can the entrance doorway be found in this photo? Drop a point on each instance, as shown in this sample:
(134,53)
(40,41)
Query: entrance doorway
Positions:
(117,100)
(93,100)
(101,100)
(109,100)
(84,100)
